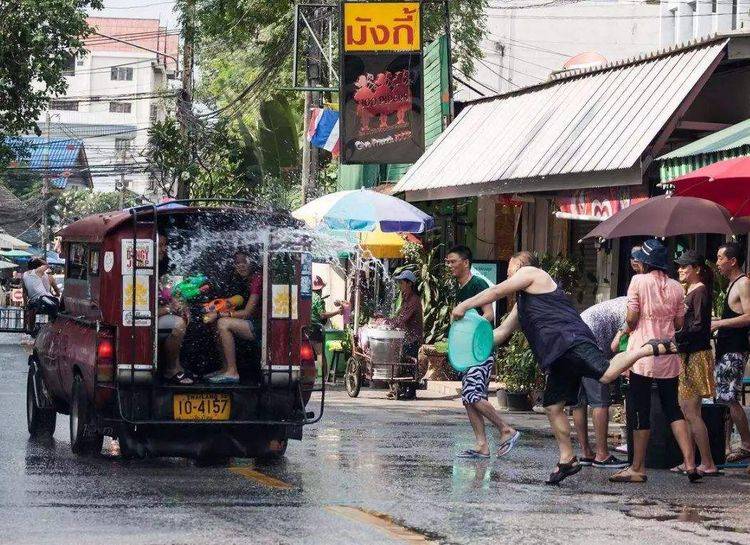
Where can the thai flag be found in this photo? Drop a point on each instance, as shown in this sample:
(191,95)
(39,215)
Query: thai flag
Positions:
(323,131)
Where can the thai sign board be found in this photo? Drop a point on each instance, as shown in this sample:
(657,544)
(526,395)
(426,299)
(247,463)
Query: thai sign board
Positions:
(382,95)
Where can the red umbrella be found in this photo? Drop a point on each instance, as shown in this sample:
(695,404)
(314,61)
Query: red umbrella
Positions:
(666,216)
(726,183)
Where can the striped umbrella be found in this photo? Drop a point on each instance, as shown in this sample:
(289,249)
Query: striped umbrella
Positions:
(364,210)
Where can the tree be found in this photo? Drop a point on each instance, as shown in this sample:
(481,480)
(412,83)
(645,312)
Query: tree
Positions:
(38,38)
(74,205)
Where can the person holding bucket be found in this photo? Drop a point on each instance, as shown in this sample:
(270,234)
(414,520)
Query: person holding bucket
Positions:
(564,347)
(475,382)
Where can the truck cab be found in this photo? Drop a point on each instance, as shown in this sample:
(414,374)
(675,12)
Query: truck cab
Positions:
(102,360)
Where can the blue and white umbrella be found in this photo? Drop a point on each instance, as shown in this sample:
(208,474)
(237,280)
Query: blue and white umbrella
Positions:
(364,210)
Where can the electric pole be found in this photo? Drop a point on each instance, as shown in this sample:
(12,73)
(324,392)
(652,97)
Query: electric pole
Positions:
(185,104)
(45,189)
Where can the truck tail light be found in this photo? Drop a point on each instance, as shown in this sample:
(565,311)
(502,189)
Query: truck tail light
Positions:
(105,360)
(306,353)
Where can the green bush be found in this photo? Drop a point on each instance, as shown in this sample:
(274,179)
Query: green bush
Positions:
(516,366)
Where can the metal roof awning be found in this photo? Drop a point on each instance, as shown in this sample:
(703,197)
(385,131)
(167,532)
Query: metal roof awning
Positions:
(582,129)
(728,143)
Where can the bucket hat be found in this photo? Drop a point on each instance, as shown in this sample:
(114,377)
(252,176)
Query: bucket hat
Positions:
(654,254)
(690,257)
(406,275)
(318,283)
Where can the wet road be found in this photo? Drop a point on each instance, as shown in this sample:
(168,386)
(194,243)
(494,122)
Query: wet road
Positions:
(372,472)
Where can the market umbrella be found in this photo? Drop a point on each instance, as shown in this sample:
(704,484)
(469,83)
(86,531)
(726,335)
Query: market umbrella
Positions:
(726,183)
(7,265)
(53,258)
(668,216)
(364,210)
(11,242)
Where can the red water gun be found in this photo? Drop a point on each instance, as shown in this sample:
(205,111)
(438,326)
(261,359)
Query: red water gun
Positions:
(223,305)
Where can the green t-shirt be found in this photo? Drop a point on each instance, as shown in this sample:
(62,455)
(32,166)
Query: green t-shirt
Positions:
(474,286)
(318,308)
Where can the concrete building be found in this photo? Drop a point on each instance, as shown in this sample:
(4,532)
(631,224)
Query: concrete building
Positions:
(115,92)
(527,42)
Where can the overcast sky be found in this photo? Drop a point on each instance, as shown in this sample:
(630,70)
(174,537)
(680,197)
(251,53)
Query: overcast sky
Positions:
(140,9)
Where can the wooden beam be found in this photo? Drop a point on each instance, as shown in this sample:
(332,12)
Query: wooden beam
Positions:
(703,126)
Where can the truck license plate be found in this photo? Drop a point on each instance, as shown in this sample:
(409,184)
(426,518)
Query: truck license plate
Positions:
(202,406)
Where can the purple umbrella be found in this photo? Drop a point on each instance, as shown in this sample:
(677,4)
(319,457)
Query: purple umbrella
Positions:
(668,216)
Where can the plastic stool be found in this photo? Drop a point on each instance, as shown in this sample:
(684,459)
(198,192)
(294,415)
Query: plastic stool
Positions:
(338,353)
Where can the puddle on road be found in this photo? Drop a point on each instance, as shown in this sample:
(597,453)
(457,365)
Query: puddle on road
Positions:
(687,514)
(386,523)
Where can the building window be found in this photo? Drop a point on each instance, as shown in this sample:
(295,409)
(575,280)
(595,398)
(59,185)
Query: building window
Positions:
(119,73)
(153,115)
(714,6)
(119,107)
(70,105)
(69,68)
(122,144)
(735,22)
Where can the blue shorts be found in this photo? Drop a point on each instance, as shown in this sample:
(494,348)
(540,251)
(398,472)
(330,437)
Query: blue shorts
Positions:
(475,383)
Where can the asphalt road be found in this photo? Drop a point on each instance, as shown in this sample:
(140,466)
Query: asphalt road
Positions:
(372,472)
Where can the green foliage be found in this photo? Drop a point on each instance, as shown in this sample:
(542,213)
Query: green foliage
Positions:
(74,205)
(23,184)
(278,134)
(565,270)
(37,38)
(436,287)
(516,366)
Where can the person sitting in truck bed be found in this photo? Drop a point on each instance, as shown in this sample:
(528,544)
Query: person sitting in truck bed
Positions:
(41,288)
(243,323)
(173,320)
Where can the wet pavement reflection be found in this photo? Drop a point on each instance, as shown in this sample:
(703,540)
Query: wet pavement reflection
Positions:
(372,472)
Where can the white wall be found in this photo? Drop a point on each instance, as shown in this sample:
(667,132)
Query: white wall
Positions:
(93,118)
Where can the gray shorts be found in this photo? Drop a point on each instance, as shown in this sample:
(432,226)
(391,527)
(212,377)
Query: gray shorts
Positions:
(593,393)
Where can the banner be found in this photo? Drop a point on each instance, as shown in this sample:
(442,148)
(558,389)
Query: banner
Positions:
(381,99)
(598,204)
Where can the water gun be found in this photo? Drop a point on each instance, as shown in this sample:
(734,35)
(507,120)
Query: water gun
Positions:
(191,287)
(223,305)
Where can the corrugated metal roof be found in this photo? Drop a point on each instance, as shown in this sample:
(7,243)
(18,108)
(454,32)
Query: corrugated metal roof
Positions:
(732,137)
(596,121)
(65,156)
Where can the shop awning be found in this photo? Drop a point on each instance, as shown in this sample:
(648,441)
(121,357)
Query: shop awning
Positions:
(585,128)
(728,143)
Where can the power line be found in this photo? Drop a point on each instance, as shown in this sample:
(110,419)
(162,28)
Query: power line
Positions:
(504,54)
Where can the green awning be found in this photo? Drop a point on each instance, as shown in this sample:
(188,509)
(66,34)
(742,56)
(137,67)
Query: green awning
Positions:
(729,143)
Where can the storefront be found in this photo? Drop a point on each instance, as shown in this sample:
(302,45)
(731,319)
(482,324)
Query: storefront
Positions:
(572,151)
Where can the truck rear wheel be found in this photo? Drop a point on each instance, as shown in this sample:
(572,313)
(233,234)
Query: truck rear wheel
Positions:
(41,422)
(84,437)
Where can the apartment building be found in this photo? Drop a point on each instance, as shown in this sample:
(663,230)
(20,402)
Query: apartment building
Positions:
(116,91)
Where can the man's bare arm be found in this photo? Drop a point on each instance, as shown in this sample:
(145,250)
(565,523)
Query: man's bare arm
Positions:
(744,319)
(519,281)
(505,330)
(488,313)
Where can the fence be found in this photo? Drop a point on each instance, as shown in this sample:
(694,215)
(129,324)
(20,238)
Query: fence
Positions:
(12,320)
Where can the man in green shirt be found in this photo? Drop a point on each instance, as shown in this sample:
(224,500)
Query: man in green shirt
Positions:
(475,382)
(318,315)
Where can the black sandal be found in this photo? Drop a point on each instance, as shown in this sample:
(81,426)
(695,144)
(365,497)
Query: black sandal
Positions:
(656,343)
(694,476)
(564,471)
(181,378)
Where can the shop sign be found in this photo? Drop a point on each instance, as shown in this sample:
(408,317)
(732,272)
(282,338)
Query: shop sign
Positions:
(382,26)
(597,204)
(381,96)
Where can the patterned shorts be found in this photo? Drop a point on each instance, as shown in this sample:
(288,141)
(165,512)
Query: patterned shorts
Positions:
(476,382)
(729,371)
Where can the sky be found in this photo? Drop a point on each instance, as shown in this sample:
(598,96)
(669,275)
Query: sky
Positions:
(140,9)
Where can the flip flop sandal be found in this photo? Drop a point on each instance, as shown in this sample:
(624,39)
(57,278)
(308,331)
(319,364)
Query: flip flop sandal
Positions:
(563,472)
(738,455)
(656,343)
(223,379)
(472,454)
(507,445)
(716,473)
(679,470)
(181,378)
(619,477)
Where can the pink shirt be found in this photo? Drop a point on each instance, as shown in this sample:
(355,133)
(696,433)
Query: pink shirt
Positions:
(660,300)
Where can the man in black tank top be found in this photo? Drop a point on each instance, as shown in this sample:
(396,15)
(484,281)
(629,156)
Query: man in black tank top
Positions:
(732,343)
(564,347)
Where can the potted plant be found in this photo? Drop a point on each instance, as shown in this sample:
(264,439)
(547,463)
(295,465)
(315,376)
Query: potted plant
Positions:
(519,374)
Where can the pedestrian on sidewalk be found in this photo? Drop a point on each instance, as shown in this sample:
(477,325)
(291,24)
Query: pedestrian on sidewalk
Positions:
(694,341)
(564,347)
(604,320)
(475,382)
(732,344)
(656,309)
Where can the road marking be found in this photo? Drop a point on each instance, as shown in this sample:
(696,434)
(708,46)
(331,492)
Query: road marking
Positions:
(262,478)
(381,521)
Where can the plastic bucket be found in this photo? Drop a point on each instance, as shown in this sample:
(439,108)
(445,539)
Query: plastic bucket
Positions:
(470,341)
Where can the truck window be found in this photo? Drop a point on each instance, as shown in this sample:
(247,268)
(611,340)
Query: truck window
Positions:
(93,261)
(77,262)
